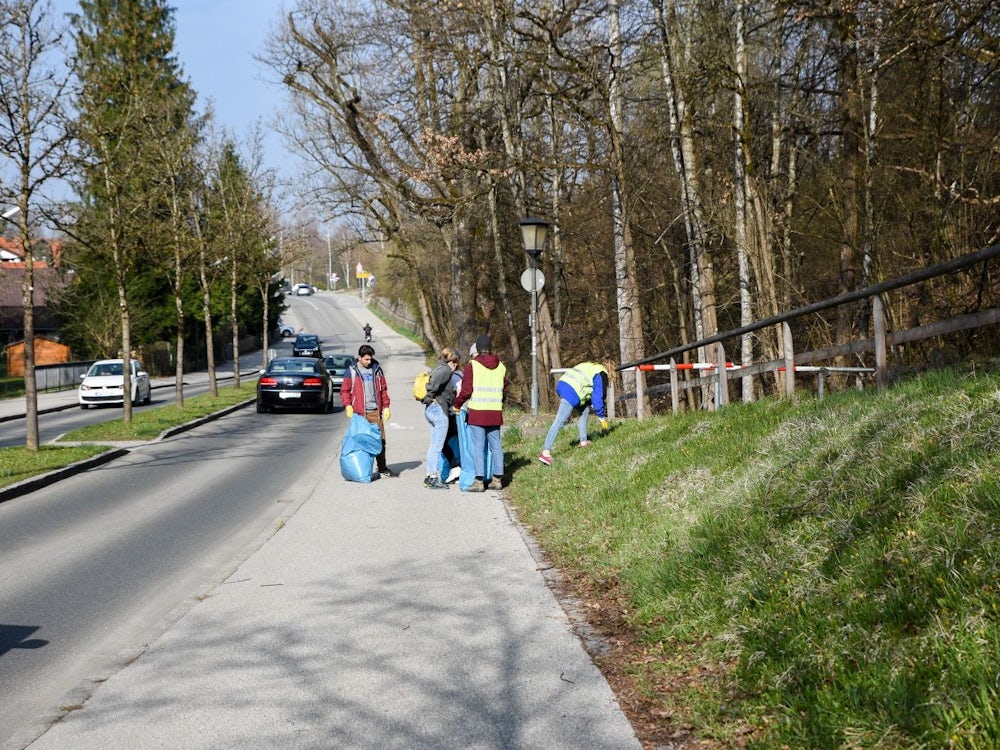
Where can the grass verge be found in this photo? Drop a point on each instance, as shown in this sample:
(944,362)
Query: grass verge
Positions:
(18,464)
(791,573)
(149,424)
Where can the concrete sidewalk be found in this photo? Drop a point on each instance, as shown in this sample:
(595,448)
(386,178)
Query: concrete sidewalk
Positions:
(381,615)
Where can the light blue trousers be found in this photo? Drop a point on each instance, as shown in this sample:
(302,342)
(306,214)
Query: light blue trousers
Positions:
(438,421)
(481,437)
(562,415)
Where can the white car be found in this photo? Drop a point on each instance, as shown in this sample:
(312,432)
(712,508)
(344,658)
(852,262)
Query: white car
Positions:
(285,329)
(301,289)
(104,383)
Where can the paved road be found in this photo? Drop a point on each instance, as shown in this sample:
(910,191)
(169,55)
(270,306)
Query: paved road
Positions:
(379,615)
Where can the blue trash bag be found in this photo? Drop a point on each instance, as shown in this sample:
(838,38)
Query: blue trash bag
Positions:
(468,475)
(362,443)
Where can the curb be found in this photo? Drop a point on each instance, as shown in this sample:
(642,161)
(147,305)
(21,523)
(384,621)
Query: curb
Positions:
(44,480)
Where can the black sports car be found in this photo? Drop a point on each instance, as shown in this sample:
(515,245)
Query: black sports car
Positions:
(295,383)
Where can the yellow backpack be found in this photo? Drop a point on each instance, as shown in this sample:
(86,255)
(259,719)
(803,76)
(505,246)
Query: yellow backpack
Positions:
(420,385)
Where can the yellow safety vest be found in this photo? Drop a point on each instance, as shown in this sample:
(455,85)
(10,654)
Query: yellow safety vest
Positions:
(581,378)
(487,387)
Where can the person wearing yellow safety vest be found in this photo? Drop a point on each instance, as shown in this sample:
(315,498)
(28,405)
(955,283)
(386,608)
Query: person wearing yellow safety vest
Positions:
(484,390)
(582,387)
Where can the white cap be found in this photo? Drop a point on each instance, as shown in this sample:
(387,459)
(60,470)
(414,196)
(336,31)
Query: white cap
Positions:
(473,351)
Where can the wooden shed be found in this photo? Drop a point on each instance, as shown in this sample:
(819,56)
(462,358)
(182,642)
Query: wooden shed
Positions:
(47,352)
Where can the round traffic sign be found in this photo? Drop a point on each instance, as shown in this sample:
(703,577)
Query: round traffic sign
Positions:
(526,280)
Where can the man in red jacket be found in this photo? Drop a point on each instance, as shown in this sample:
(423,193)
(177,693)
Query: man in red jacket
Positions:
(483,392)
(365,392)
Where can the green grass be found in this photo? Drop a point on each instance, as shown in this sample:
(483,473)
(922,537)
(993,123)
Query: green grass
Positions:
(18,464)
(148,424)
(841,559)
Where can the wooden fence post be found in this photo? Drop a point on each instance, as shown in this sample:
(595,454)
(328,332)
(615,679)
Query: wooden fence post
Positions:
(881,360)
(786,332)
(640,395)
(722,398)
(675,396)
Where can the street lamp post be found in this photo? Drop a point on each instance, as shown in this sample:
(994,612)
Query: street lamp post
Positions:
(533,231)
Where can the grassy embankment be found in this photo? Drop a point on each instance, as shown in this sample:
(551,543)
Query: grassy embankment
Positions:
(799,574)
(18,464)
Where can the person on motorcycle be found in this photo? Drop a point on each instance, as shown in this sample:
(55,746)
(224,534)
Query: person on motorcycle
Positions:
(368,332)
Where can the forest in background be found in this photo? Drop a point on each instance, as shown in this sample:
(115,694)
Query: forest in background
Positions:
(703,163)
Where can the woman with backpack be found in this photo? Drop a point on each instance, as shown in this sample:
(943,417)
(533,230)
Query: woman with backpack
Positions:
(437,406)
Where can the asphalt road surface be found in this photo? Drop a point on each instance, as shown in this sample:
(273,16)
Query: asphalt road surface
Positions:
(96,564)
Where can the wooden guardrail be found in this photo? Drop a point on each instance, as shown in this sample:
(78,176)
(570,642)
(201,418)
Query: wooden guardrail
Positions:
(881,342)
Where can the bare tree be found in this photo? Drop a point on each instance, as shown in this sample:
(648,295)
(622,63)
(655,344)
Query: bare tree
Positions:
(33,132)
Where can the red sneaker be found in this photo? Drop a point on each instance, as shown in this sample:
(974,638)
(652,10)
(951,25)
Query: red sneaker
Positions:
(545,458)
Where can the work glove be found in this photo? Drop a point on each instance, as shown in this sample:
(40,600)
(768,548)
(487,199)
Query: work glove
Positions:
(349,411)
(605,425)
(386,414)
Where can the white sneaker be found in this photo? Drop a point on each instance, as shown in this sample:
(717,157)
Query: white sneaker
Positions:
(454,474)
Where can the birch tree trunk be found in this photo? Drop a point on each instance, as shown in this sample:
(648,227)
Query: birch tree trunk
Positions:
(742,190)
(630,340)
(684,150)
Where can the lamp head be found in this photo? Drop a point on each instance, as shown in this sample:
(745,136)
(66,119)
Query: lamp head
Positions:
(533,231)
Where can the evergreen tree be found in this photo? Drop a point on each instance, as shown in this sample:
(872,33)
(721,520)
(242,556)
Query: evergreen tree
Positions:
(132,101)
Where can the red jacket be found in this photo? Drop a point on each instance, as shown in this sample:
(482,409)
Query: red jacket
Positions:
(481,417)
(352,390)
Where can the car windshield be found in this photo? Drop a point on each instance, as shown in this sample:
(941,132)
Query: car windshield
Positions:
(99,369)
(307,341)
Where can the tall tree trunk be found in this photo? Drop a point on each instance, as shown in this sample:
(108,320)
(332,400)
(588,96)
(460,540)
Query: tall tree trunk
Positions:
(630,338)
(234,315)
(126,353)
(497,235)
(206,307)
(740,156)
(851,125)
(684,151)
(31,441)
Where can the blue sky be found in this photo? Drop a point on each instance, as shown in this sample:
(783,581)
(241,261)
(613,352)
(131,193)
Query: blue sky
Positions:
(216,41)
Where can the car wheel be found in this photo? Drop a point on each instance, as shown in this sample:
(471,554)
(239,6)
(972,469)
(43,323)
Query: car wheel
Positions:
(329,407)
(84,406)
(261,409)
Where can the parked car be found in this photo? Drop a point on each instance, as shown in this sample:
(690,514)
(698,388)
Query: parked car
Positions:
(295,383)
(307,345)
(104,383)
(285,329)
(301,289)
(336,365)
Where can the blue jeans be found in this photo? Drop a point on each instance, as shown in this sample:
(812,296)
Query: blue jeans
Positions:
(563,414)
(438,421)
(481,437)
